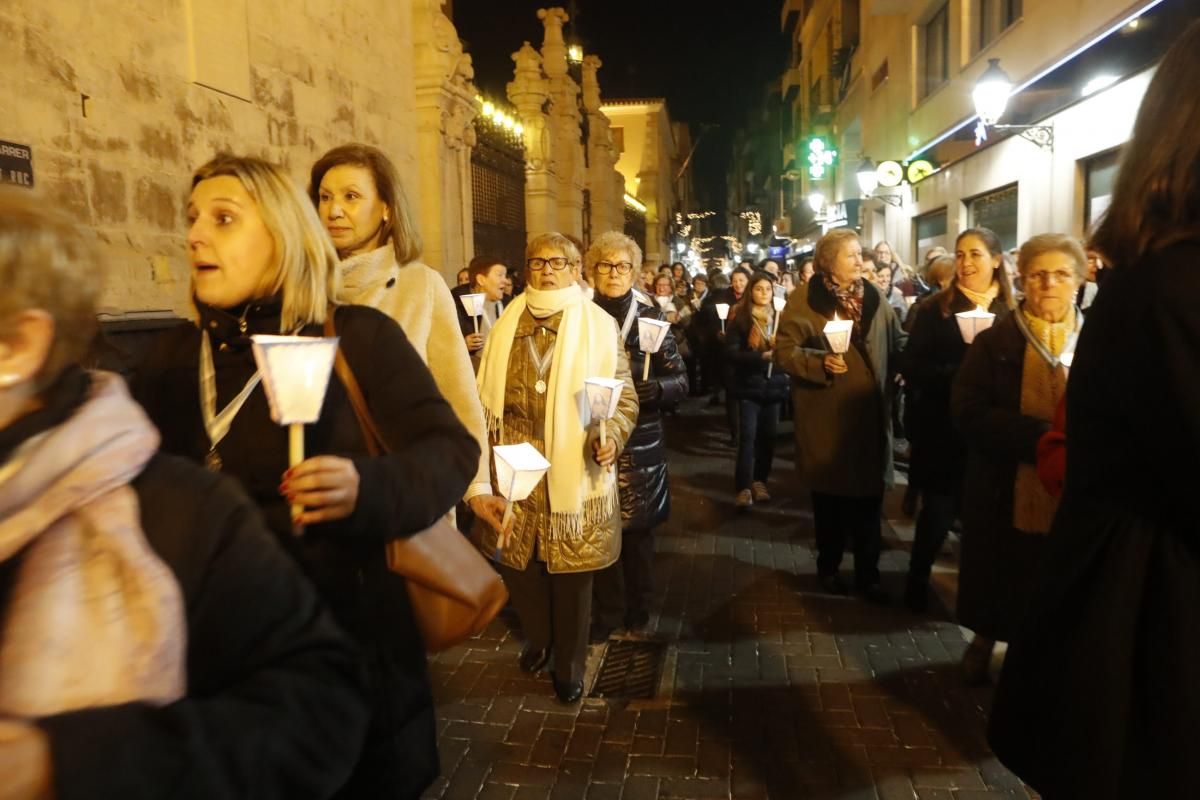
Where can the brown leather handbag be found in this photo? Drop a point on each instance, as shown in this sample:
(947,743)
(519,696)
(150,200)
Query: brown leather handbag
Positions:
(454,592)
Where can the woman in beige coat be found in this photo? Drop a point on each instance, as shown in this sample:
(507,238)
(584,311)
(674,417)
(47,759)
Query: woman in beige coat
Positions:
(358,196)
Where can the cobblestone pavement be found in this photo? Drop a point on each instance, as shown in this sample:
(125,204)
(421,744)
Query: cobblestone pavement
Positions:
(770,689)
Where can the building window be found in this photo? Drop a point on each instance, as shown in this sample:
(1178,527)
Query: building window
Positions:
(935,51)
(930,231)
(1099,175)
(992,18)
(997,211)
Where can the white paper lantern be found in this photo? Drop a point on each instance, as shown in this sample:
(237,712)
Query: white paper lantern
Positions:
(651,334)
(664,301)
(722,310)
(295,374)
(974,322)
(779,302)
(603,396)
(1066,359)
(519,467)
(473,303)
(837,333)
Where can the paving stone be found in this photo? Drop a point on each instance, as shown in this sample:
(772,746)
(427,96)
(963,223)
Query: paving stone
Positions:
(770,688)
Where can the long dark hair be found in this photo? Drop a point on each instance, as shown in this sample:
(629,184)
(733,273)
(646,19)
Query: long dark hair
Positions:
(992,242)
(1156,199)
(398,228)
(742,312)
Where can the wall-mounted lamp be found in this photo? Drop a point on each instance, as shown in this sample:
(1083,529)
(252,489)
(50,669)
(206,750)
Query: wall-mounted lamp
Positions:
(868,181)
(990,95)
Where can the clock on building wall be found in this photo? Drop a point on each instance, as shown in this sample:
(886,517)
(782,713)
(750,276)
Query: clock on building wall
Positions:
(918,170)
(890,174)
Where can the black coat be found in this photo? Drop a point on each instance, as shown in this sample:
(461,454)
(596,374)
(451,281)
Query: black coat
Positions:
(274,706)
(748,368)
(398,493)
(642,466)
(998,563)
(930,361)
(1099,694)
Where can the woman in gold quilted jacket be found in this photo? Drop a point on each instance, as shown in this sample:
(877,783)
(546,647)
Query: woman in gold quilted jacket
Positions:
(547,342)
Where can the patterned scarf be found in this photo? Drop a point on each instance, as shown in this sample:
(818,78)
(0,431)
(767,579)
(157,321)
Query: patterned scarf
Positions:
(850,298)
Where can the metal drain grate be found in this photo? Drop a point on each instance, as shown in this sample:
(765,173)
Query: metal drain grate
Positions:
(630,669)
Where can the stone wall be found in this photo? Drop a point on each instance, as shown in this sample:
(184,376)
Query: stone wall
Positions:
(104,93)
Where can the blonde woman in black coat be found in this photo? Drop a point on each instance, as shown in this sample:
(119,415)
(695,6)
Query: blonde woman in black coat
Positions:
(261,263)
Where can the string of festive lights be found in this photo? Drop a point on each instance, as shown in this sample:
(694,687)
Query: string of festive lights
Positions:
(501,116)
(753,221)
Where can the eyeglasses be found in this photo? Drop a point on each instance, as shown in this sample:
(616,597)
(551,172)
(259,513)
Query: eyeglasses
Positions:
(539,264)
(605,267)
(1047,278)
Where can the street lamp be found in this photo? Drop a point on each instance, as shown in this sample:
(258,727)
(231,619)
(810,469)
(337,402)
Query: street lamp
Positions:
(990,95)
(868,179)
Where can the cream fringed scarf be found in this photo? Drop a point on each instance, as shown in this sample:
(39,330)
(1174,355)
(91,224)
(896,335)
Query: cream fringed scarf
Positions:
(982,299)
(1042,386)
(581,493)
(94,616)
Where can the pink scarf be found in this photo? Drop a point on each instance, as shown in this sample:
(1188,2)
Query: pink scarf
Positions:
(94,617)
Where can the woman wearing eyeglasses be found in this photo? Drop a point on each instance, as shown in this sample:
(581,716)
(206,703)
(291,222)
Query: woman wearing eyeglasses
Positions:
(622,591)
(1003,399)
(533,368)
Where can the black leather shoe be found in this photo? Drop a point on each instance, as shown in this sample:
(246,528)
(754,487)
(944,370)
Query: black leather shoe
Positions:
(534,659)
(599,633)
(568,692)
(637,619)
(875,594)
(833,584)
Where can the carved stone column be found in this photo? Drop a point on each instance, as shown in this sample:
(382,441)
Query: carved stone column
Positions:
(445,135)
(649,190)
(565,123)
(529,91)
(602,155)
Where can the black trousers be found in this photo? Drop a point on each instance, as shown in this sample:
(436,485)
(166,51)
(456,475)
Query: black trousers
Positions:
(837,519)
(555,612)
(626,586)
(933,523)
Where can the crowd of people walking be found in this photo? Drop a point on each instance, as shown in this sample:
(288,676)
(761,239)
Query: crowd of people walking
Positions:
(189,609)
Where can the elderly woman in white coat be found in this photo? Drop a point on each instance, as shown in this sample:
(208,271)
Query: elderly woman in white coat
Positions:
(362,205)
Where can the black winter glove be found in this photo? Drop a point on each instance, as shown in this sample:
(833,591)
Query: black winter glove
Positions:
(648,392)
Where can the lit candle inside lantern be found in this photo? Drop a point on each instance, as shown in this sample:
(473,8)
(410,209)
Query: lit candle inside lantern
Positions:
(295,375)
(722,313)
(837,333)
(974,322)
(473,305)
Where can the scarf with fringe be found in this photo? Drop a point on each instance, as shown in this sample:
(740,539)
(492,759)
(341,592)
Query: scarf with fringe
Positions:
(982,299)
(582,494)
(94,617)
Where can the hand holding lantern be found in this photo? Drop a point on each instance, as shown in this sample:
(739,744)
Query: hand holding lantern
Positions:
(519,468)
(295,372)
(837,333)
(779,304)
(603,397)
(473,305)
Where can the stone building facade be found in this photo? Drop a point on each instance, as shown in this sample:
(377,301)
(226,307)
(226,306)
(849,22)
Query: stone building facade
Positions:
(119,100)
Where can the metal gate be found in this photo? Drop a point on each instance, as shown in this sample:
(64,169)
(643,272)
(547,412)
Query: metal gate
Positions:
(498,182)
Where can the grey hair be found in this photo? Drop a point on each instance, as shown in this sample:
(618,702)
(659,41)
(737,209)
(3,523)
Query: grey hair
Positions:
(554,240)
(608,242)
(1052,243)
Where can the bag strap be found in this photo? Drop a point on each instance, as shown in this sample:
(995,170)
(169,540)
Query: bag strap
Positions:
(376,444)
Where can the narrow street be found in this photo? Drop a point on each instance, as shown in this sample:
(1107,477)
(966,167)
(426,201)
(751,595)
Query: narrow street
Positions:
(768,689)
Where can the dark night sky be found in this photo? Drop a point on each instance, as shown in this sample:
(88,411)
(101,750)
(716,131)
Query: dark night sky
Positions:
(710,60)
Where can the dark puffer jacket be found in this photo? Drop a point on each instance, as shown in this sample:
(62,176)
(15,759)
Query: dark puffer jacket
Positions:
(749,369)
(642,466)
